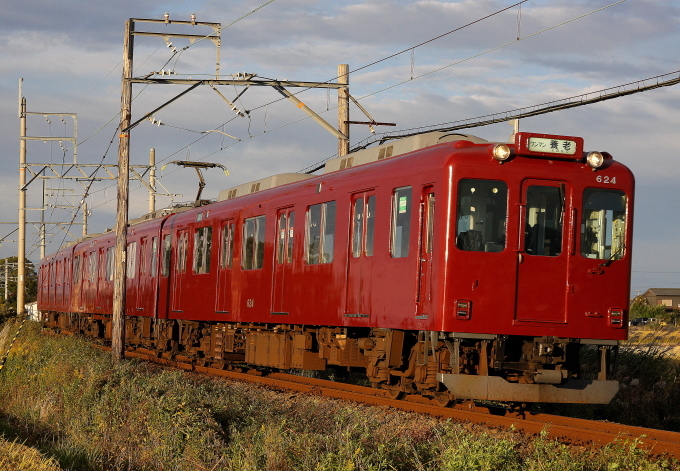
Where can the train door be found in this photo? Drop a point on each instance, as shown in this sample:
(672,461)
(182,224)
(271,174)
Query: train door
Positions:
(424,292)
(542,258)
(179,269)
(49,280)
(224,268)
(131,278)
(101,278)
(59,284)
(360,263)
(146,293)
(283,261)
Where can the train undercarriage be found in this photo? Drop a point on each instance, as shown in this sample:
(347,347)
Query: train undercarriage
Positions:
(445,366)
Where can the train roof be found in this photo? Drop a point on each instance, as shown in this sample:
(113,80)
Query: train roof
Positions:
(360,157)
(383,151)
(397,147)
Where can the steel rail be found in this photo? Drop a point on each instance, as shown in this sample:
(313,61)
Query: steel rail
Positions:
(566,429)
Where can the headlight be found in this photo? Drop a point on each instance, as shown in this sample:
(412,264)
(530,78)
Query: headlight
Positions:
(501,152)
(594,159)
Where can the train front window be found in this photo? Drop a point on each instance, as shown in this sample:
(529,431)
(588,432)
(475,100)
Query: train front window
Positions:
(544,219)
(482,214)
(603,227)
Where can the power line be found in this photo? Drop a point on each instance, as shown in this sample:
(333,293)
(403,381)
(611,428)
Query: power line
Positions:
(535,110)
(432,71)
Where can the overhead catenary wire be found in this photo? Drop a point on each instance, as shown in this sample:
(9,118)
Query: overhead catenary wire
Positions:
(394,85)
(250,136)
(430,72)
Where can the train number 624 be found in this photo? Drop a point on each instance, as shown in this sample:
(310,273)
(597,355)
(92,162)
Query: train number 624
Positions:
(605,179)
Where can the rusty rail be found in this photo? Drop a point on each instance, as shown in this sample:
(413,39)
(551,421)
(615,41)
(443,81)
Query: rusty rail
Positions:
(571,430)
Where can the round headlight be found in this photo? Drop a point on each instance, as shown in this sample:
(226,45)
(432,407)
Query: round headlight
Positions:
(595,159)
(501,152)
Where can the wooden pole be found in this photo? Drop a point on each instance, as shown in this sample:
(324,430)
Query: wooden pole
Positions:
(343,109)
(119,277)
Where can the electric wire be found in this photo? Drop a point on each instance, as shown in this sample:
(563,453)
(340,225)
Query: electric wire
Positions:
(375,62)
(427,73)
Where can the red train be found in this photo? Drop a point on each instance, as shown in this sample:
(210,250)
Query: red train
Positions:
(439,264)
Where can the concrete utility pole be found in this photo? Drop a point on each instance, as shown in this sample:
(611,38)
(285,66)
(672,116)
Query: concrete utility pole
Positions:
(21,246)
(152,180)
(119,277)
(343,109)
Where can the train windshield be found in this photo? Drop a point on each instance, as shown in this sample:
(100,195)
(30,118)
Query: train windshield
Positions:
(482,213)
(544,215)
(603,227)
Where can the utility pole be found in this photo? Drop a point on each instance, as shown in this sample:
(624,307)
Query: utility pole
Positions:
(21,246)
(152,180)
(6,279)
(343,109)
(85,215)
(118,331)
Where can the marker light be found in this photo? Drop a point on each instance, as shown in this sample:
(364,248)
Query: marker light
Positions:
(594,159)
(501,152)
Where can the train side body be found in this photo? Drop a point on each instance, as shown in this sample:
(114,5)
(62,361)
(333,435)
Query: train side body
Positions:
(442,239)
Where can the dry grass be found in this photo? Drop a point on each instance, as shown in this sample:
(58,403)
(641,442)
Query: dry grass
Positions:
(68,401)
(17,457)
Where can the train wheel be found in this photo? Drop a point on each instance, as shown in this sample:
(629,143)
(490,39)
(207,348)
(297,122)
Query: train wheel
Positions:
(444,399)
(392,392)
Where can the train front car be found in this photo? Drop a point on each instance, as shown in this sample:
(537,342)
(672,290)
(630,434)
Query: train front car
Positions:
(536,269)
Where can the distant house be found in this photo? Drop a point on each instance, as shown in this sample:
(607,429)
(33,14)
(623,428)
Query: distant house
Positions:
(669,297)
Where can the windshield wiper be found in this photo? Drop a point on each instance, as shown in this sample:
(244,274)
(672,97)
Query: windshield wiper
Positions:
(609,261)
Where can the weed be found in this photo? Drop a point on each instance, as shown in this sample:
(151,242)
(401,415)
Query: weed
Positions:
(68,400)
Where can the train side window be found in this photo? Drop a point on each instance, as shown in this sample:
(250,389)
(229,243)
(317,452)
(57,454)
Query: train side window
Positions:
(182,243)
(165,256)
(92,273)
(131,259)
(253,246)
(370,225)
(482,214)
(227,249)
(603,228)
(202,249)
(429,230)
(154,256)
(357,227)
(281,239)
(284,247)
(320,233)
(143,260)
(401,222)
(76,269)
(109,263)
(289,243)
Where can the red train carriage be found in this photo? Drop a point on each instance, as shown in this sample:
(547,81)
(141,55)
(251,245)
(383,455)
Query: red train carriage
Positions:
(440,264)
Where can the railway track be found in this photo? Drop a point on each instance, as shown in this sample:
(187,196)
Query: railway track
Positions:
(565,429)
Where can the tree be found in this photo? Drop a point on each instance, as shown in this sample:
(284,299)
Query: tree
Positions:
(8,306)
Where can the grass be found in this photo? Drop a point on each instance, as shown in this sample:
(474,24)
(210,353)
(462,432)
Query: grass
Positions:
(15,456)
(69,402)
(648,370)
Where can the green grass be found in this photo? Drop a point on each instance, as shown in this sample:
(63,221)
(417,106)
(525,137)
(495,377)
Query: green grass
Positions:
(66,399)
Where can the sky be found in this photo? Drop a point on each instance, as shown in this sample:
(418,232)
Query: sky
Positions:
(69,55)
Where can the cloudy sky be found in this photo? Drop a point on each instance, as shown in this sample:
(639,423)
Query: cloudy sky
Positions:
(69,55)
